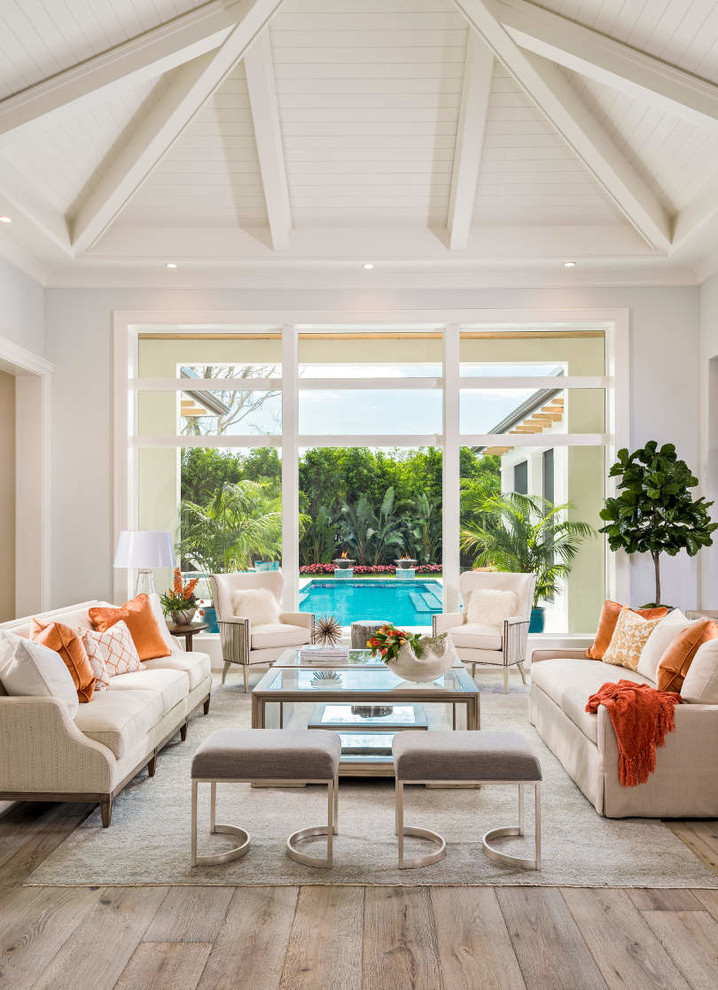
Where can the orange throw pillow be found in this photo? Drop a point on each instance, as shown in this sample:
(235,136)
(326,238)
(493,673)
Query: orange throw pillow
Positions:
(141,622)
(65,641)
(675,662)
(607,623)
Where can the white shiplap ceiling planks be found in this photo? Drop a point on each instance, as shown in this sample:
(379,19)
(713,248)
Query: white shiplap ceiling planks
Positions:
(40,38)
(528,172)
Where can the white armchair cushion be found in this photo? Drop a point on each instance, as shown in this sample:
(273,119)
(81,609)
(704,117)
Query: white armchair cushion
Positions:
(256,604)
(273,634)
(476,636)
(490,606)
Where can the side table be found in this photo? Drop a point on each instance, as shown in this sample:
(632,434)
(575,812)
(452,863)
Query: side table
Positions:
(188,632)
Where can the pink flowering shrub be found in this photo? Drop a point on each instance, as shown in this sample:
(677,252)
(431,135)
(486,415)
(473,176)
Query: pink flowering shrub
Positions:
(368,569)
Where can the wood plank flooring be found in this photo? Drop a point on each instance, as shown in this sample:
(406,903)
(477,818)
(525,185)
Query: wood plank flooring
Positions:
(344,938)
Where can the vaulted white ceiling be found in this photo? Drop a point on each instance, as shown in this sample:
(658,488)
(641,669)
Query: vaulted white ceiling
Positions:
(451,137)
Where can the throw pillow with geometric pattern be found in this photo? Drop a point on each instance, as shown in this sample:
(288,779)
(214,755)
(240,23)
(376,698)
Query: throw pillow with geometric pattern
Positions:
(629,638)
(111,652)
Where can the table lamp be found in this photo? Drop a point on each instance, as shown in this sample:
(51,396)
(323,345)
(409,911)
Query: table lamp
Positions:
(145,549)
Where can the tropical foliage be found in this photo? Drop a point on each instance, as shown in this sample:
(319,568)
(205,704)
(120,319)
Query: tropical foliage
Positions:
(528,534)
(655,512)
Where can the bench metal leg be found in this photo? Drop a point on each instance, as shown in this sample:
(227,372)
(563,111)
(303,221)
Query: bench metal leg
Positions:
(231,854)
(496,833)
(330,830)
(403,830)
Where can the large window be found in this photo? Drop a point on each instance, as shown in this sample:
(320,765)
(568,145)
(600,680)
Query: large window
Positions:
(377,441)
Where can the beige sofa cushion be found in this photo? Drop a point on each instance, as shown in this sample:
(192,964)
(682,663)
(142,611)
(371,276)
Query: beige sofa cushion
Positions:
(475,636)
(196,666)
(171,685)
(701,682)
(119,719)
(570,683)
(273,634)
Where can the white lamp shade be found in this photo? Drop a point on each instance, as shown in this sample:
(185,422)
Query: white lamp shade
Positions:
(145,549)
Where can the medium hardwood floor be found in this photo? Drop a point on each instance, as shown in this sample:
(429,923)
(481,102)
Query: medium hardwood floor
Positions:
(344,938)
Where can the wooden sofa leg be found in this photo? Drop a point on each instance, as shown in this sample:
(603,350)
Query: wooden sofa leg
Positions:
(152,766)
(106,811)
(183,732)
(206,707)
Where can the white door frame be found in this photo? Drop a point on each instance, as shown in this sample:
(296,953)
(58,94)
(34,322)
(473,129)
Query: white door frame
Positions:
(33,375)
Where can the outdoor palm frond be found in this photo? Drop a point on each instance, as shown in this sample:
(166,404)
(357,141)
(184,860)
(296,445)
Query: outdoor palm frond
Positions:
(531,537)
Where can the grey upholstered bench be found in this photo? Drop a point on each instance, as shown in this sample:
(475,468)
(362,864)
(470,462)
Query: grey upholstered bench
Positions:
(461,757)
(275,756)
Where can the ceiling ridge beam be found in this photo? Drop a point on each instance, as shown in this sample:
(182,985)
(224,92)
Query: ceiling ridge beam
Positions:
(607,61)
(29,202)
(259,68)
(159,123)
(475,98)
(145,56)
(556,98)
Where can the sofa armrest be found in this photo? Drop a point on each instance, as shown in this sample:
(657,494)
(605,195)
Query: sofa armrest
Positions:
(234,634)
(42,750)
(446,620)
(305,619)
(538,655)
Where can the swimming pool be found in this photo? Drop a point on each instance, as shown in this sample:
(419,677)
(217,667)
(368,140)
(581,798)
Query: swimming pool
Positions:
(405,603)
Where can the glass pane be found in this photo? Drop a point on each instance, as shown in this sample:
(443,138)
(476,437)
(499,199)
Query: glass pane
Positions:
(215,413)
(529,411)
(241,355)
(234,518)
(532,352)
(370,355)
(569,476)
(375,508)
(369,411)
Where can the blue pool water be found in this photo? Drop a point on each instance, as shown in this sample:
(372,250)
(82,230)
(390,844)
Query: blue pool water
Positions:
(405,603)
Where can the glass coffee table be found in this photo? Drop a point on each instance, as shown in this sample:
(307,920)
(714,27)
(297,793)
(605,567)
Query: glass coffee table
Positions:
(364,702)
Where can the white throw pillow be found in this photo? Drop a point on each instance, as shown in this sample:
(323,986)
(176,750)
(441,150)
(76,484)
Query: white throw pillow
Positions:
(31,670)
(489,606)
(700,686)
(111,652)
(658,642)
(256,604)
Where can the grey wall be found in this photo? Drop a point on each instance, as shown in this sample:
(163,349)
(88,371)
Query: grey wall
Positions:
(22,309)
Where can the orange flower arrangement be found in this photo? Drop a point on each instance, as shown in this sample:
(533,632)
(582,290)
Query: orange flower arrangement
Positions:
(388,640)
(181,597)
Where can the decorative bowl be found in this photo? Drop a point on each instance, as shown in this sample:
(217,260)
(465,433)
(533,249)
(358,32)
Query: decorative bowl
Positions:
(184,618)
(431,664)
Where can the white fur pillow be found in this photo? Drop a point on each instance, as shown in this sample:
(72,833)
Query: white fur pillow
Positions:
(256,604)
(489,606)
(700,686)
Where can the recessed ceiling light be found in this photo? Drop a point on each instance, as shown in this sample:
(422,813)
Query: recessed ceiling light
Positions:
(569,264)
(170,264)
(368,265)
(5,219)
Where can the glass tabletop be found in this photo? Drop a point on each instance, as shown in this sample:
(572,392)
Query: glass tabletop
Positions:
(356,658)
(369,679)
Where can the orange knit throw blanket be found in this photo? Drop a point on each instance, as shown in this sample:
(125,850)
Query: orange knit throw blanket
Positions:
(641,717)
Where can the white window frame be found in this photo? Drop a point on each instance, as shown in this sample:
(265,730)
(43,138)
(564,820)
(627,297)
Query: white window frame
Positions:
(128,325)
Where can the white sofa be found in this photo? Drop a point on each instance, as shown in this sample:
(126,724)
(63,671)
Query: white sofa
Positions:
(685,782)
(47,756)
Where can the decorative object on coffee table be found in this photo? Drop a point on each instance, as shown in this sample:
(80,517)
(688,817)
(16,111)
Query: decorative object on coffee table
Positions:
(435,656)
(179,603)
(327,630)
(188,632)
(324,677)
(363,631)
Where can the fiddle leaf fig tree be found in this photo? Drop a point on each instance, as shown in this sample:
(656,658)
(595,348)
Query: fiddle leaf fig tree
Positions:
(655,512)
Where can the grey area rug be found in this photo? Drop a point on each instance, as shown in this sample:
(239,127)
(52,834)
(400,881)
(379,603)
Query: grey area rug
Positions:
(148,841)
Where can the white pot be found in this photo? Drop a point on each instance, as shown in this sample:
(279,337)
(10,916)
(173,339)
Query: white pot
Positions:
(430,665)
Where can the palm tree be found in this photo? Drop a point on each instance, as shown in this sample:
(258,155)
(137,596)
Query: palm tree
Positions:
(531,537)
(237,523)
(370,534)
(423,527)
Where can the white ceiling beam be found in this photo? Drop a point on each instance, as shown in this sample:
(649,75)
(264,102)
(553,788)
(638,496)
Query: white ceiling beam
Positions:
(259,67)
(160,123)
(143,57)
(554,95)
(607,61)
(475,96)
(28,201)
(695,218)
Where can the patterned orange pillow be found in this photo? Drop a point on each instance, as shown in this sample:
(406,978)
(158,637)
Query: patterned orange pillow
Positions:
(629,638)
(673,665)
(112,652)
(607,623)
(141,621)
(65,641)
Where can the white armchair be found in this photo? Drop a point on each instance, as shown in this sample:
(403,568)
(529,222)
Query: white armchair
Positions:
(503,645)
(247,644)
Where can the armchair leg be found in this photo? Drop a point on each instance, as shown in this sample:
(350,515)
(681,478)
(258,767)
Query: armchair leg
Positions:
(522,671)
(245,667)
(506,679)
(473,671)
(224,671)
